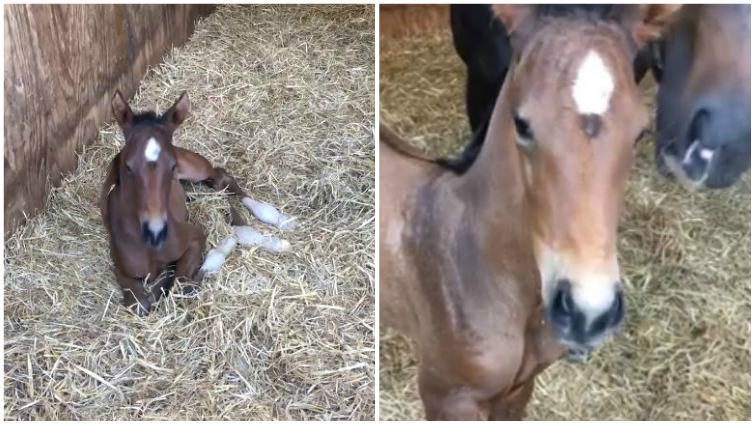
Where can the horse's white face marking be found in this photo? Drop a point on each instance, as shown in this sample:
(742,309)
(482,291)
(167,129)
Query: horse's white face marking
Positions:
(675,166)
(691,150)
(706,154)
(677,169)
(593,86)
(152,151)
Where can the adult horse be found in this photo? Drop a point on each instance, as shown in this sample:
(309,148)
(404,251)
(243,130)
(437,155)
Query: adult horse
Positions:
(496,272)
(703,74)
(703,114)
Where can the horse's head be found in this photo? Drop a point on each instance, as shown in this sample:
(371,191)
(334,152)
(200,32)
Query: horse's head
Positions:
(147,163)
(575,115)
(704,96)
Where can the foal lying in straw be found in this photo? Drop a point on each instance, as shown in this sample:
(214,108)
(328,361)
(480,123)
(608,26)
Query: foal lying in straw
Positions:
(143,206)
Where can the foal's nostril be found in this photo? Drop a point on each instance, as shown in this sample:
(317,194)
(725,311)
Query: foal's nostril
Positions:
(154,234)
(617,309)
(562,305)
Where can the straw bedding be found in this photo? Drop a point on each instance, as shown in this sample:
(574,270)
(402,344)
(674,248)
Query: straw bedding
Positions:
(685,350)
(283,98)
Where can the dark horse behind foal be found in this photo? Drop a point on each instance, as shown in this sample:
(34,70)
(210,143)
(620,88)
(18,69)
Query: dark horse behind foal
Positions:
(702,67)
(703,72)
(143,205)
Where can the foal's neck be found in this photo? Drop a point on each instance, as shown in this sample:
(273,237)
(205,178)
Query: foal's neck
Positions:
(494,184)
(124,211)
(493,193)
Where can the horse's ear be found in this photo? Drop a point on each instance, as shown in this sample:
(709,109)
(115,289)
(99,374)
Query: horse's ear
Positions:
(519,21)
(121,111)
(177,113)
(514,16)
(647,22)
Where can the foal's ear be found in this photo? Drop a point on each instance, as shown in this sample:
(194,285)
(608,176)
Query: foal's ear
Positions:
(177,113)
(647,22)
(121,111)
(514,16)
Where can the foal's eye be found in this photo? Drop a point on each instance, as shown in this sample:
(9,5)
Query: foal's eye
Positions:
(523,131)
(128,169)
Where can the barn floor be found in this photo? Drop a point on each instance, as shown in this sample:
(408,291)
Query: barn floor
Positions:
(283,98)
(685,350)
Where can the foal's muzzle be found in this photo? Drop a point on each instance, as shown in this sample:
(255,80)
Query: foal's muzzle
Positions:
(582,328)
(154,232)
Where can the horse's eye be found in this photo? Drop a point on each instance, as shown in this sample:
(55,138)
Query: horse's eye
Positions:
(523,131)
(128,169)
(173,169)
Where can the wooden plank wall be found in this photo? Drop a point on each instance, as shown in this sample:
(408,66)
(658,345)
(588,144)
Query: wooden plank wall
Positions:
(62,65)
(398,20)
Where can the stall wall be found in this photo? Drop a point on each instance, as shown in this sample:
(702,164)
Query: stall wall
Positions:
(62,65)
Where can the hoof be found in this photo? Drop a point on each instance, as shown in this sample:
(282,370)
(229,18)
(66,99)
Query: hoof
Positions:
(140,309)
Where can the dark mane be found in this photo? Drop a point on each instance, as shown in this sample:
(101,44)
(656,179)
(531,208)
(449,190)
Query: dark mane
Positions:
(147,117)
(593,12)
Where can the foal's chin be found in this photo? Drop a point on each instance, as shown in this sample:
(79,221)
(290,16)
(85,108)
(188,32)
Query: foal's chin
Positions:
(156,247)
(577,352)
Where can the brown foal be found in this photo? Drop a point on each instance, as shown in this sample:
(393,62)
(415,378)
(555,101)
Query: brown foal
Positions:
(500,271)
(143,205)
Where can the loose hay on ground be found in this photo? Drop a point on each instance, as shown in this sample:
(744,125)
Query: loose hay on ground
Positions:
(685,352)
(283,98)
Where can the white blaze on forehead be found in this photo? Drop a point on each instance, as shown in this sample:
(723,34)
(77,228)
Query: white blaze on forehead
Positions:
(593,86)
(152,151)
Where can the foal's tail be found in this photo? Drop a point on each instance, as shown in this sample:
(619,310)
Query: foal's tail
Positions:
(392,139)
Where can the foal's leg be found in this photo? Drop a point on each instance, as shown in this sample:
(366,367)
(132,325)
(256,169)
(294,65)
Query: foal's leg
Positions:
(511,406)
(135,296)
(196,168)
(447,404)
(189,263)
